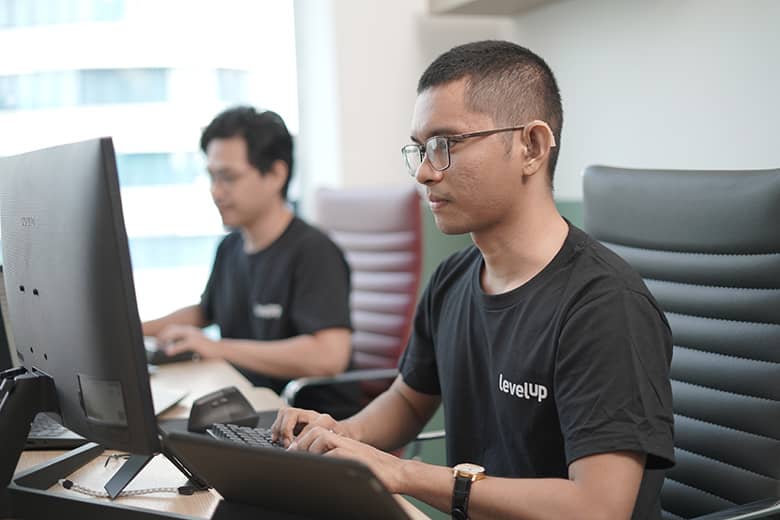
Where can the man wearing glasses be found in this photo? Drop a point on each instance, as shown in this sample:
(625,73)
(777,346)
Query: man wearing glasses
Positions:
(548,353)
(279,288)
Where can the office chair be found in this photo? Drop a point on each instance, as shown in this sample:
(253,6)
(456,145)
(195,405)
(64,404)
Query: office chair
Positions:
(707,244)
(380,232)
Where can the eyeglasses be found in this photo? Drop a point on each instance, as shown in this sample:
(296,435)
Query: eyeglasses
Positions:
(227,179)
(437,149)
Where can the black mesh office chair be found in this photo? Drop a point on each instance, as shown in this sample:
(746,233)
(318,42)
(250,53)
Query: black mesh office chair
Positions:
(708,246)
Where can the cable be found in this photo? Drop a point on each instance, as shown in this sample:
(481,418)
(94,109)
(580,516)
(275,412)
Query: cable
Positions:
(69,484)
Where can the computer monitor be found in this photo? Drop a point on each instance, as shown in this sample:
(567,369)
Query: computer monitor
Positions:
(7,349)
(71,296)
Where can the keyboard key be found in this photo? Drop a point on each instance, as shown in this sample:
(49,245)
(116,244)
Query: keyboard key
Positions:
(257,437)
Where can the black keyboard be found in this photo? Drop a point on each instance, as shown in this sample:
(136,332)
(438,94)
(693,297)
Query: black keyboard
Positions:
(47,433)
(43,425)
(257,437)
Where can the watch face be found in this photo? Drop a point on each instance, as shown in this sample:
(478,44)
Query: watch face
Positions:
(468,469)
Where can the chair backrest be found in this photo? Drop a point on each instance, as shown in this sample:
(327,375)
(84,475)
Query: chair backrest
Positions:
(707,244)
(380,232)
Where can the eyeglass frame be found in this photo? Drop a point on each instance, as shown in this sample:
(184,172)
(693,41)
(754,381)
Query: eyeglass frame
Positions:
(457,138)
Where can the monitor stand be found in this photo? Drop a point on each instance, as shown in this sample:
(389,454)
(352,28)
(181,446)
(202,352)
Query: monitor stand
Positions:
(23,394)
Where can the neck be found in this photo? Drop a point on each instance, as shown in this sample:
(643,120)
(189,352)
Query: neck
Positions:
(267,228)
(519,248)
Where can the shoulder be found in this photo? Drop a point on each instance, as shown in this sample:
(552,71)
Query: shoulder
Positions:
(231,242)
(596,264)
(307,238)
(599,274)
(455,268)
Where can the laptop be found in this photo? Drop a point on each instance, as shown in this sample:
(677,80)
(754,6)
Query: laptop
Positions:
(46,432)
(278,481)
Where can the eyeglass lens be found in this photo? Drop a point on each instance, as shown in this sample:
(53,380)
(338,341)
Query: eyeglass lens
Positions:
(436,150)
(412,158)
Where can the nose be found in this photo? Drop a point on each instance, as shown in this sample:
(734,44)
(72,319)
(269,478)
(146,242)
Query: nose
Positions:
(216,190)
(426,174)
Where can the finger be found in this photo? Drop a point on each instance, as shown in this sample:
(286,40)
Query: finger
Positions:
(169,335)
(175,348)
(322,421)
(340,451)
(289,421)
(281,429)
(305,440)
(276,426)
(324,443)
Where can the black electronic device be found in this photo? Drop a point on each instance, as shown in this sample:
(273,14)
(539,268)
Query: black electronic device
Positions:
(258,437)
(226,405)
(72,304)
(157,356)
(286,482)
(7,349)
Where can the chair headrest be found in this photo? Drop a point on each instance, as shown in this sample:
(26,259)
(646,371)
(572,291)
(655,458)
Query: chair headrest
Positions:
(718,212)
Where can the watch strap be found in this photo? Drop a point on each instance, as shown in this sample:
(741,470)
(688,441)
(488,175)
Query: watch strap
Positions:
(460,497)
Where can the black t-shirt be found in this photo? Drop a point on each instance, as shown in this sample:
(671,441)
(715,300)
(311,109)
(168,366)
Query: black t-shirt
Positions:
(299,284)
(574,362)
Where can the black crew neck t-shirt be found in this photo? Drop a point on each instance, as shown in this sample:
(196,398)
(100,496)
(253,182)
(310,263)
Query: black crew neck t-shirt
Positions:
(572,363)
(299,284)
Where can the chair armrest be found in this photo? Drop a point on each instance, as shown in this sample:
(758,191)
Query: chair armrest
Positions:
(296,385)
(430,436)
(757,509)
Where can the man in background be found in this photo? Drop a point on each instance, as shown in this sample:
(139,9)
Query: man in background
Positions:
(279,288)
(547,351)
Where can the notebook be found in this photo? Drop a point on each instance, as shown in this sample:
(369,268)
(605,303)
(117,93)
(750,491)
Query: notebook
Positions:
(292,483)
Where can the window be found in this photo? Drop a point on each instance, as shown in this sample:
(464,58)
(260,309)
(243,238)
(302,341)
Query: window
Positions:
(232,85)
(157,169)
(127,80)
(54,89)
(26,13)
(107,86)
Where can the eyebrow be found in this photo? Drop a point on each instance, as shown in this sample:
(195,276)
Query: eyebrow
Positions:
(221,171)
(441,131)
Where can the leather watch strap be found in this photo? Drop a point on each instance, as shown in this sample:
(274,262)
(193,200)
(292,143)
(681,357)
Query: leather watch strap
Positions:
(460,498)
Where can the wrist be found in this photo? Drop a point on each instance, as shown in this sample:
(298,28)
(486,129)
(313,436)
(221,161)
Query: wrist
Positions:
(408,471)
(352,430)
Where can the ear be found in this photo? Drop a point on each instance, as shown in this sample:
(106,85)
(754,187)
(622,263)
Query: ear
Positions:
(278,172)
(538,139)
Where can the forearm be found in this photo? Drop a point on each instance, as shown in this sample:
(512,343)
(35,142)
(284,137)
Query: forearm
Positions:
(300,356)
(391,420)
(191,315)
(497,498)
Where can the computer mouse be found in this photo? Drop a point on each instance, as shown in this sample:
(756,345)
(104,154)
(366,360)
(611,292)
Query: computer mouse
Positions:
(227,405)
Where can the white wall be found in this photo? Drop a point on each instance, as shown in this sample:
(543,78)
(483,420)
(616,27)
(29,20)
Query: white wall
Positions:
(358,66)
(670,83)
(691,84)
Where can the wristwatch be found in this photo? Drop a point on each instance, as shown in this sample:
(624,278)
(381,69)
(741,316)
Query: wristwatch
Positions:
(464,474)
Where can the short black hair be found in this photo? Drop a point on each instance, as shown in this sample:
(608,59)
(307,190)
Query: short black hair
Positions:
(504,80)
(266,135)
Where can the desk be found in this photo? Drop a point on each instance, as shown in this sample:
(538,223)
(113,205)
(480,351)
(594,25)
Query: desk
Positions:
(200,377)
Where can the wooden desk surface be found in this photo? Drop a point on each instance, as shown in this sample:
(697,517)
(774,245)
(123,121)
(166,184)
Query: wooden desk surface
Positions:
(199,378)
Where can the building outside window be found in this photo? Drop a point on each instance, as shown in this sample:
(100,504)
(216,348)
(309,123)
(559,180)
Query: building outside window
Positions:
(151,75)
